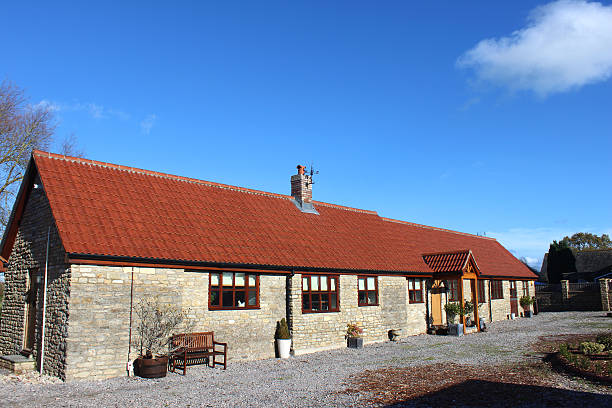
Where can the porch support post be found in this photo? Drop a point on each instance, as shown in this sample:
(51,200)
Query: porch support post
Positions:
(476,303)
(461,299)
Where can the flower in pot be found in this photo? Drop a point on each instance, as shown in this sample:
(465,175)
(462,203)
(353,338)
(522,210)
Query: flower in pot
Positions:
(526,302)
(353,336)
(283,338)
(155,322)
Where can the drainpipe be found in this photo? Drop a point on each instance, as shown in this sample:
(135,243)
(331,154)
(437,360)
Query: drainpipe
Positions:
(128,366)
(44,311)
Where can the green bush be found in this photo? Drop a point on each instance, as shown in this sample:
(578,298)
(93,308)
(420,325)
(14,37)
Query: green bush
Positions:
(282,330)
(589,347)
(606,340)
(468,307)
(526,301)
(564,350)
(452,310)
(584,363)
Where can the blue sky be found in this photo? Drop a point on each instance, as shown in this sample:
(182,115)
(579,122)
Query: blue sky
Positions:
(475,116)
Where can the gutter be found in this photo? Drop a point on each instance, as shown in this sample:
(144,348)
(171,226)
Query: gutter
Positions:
(94,259)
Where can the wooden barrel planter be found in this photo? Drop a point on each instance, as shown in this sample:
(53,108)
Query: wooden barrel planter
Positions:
(151,367)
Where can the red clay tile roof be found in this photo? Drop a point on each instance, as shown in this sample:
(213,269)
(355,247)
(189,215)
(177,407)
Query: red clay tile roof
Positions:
(106,209)
(447,261)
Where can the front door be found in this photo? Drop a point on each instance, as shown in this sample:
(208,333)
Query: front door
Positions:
(30,316)
(513,299)
(436,303)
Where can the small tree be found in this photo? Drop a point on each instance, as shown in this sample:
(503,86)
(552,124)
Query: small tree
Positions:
(526,302)
(282,330)
(155,322)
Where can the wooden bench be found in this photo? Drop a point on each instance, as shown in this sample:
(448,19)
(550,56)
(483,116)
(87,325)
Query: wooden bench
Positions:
(196,348)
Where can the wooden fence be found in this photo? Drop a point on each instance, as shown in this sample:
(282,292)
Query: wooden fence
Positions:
(569,296)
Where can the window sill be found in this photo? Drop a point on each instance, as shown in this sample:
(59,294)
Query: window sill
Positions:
(319,311)
(233,308)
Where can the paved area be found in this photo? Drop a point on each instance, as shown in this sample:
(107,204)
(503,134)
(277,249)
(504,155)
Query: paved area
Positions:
(310,380)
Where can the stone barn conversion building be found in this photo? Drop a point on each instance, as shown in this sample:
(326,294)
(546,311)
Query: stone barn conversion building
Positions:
(107,235)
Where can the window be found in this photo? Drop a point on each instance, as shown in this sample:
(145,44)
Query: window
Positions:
(453,287)
(319,294)
(367,287)
(525,288)
(229,290)
(481,291)
(497,290)
(415,290)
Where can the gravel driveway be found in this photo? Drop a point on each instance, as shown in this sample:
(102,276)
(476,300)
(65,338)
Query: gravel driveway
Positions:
(303,381)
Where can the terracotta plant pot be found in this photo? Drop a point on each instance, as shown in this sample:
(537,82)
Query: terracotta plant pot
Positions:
(151,367)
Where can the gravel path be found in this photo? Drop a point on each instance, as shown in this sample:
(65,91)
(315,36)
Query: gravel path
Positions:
(303,381)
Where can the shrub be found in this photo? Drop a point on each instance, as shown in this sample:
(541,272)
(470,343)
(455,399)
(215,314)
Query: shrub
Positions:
(452,310)
(282,330)
(526,302)
(564,350)
(584,363)
(606,340)
(352,330)
(155,321)
(589,347)
(468,307)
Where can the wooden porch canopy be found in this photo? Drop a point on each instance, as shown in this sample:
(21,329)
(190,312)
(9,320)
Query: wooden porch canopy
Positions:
(457,265)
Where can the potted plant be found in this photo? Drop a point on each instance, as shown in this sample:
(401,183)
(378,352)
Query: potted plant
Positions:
(154,324)
(526,302)
(468,308)
(283,339)
(454,309)
(353,336)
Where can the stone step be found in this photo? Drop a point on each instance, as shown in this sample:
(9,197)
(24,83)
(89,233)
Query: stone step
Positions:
(17,363)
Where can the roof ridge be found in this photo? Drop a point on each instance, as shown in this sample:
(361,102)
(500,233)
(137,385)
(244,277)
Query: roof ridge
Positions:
(188,179)
(344,207)
(157,174)
(457,251)
(436,228)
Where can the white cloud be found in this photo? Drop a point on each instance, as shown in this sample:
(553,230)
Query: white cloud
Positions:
(93,109)
(45,104)
(147,123)
(565,44)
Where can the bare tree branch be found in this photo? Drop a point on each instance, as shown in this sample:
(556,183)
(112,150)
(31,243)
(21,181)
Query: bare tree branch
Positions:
(23,127)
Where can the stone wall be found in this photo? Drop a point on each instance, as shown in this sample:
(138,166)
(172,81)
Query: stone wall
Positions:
(29,254)
(98,341)
(501,307)
(320,331)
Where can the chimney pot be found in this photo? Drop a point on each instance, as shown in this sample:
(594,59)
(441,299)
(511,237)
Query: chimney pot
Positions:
(300,169)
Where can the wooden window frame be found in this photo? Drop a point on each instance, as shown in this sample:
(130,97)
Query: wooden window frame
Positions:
(309,292)
(413,292)
(497,289)
(221,289)
(367,290)
(525,288)
(481,291)
(453,296)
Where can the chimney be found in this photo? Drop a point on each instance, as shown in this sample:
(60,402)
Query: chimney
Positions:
(301,186)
